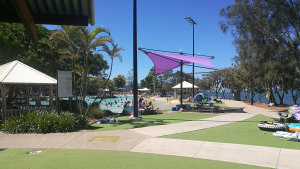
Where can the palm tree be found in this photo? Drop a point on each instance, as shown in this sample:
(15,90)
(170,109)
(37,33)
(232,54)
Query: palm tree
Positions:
(114,52)
(81,43)
(88,43)
(66,34)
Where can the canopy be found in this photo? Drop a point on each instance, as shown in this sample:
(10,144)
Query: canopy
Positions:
(16,72)
(164,62)
(185,85)
(54,12)
(144,89)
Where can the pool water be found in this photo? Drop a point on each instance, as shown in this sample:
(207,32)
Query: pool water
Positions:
(117,103)
(116,106)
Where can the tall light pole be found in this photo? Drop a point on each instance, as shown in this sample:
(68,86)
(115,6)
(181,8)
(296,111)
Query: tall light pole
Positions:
(190,20)
(135,86)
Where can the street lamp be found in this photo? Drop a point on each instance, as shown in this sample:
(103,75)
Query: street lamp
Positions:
(135,85)
(191,21)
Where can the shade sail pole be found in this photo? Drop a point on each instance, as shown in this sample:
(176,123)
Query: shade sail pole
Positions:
(181,65)
(135,85)
(193,63)
(3,95)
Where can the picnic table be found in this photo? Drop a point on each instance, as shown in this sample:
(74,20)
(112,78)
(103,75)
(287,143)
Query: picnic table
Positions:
(206,106)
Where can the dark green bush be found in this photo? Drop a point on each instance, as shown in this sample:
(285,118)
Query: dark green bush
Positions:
(65,105)
(95,113)
(44,122)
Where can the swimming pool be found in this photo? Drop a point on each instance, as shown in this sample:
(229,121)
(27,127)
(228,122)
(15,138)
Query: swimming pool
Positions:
(113,104)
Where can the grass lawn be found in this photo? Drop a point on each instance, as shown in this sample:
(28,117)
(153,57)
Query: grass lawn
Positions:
(149,120)
(244,132)
(90,159)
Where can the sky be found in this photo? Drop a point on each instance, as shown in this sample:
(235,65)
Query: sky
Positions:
(161,25)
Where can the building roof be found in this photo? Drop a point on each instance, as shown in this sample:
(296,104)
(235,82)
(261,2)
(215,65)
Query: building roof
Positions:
(143,89)
(185,85)
(53,12)
(16,72)
(56,12)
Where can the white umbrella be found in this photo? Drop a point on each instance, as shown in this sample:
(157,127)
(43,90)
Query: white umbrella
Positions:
(185,85)
(144,89)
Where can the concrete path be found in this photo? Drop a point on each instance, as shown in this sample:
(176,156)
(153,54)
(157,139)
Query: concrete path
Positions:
(237,153)
(144,140)
(75,140)
(160,104)
(246,111)
(251,109)
(156,131)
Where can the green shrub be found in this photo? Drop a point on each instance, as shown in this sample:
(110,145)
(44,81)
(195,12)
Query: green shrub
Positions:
(96,113)
(109,113)
(44,122)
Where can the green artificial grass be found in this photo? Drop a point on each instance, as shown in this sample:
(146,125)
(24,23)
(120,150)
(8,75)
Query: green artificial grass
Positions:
(149,120)
(90,159)
(244,132)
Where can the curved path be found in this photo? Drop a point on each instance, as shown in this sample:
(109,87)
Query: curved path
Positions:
(237,153)
(145,140)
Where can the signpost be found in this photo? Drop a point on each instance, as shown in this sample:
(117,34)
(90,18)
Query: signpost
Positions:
(64,83)
(64,86)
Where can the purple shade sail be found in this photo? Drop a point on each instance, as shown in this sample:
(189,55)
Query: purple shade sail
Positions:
(164,62)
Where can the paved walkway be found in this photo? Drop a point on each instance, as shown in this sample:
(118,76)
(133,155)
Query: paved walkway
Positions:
(156,131)
(75,140)
(251,109)
(145,140)
(236,153)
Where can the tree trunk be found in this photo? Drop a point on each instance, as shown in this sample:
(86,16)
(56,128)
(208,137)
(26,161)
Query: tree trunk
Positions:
(258,98)
(223,94)
(272,98)
(295,96)
(105,83)
(279,96)
(245,95)
(217,94)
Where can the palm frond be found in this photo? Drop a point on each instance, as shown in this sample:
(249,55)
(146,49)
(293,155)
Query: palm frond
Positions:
(97,31)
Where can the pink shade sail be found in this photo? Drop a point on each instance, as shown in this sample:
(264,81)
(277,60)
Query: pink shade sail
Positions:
(164,62)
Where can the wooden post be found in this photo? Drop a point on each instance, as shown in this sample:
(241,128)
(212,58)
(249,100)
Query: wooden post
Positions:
(70,104)
(57,100)
(27,97)
(3,93)
(51,95)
